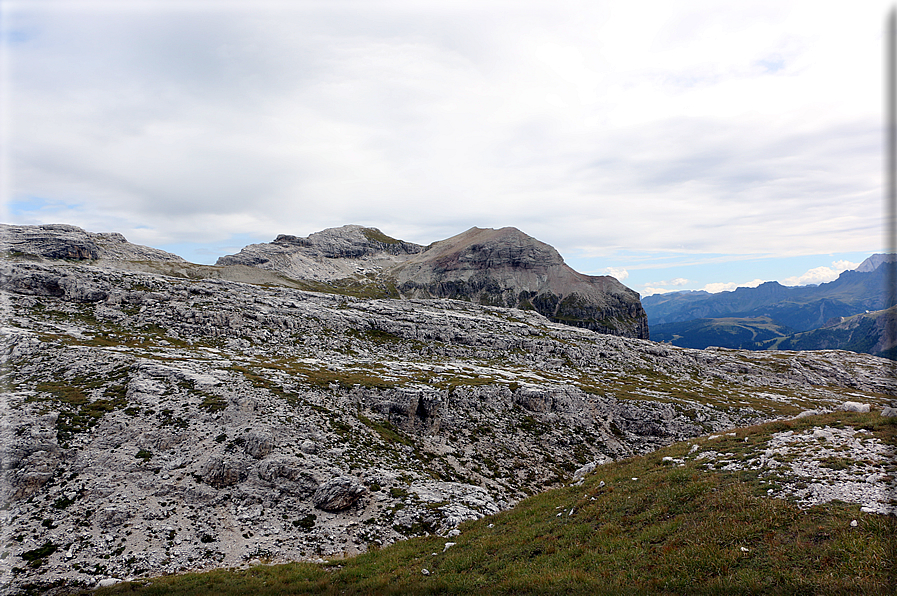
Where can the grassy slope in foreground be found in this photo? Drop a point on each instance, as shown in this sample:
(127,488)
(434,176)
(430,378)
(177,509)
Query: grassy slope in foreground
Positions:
(652,527)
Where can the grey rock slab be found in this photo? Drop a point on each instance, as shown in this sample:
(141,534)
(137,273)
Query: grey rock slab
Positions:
(852,406)
(338,494)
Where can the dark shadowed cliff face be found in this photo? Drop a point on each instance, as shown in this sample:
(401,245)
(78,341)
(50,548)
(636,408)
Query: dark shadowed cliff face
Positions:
(506,267)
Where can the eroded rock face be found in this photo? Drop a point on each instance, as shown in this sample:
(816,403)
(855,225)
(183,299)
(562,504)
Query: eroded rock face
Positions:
(53,241)
(220,472)
(506,267)
(26,279)
(332,254)
(259,444)
(63,241)
(337,494)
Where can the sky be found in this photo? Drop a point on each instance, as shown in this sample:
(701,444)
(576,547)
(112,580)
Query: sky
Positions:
(674,145)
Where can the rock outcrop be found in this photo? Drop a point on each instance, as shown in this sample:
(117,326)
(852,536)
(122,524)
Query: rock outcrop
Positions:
(63,241)
(337,494)
(330,255)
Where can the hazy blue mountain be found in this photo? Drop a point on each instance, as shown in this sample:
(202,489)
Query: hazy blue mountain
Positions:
(725,332)
(800,308)
(869,333)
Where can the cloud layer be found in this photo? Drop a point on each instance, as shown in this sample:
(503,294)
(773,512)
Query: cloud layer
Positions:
(596,127)
(820,275)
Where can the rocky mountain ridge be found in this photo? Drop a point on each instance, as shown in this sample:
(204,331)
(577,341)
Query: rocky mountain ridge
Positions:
(326,256)
(63,241)
(871,332)
(153,423)
(503,267)
(875,261)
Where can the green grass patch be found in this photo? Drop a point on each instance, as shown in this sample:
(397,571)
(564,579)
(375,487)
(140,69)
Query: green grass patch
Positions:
(375,235)
(387,431)
(76,412)
(212,403)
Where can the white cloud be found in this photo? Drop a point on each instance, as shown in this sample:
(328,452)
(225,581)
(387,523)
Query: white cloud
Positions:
(666,126)
(819,275)
(678,281)
(651,290)
(660,287)
(714,288)
(843,265)
(617,272)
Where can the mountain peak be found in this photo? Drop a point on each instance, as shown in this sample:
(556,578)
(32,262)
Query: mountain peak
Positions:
(875,261)
(347,241)
(481,248)
(499,267)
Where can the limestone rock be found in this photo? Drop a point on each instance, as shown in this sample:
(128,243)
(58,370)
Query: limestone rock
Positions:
(53,241)
(63,241)
(502,267)
(259,444)
(332,254)
(506,267)
(338,494)
(217,420)
(852,406)
(807,413)
(32,280)
(219,472)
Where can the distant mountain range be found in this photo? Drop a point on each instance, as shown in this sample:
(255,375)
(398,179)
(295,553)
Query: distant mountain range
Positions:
(852,313)
(870,333)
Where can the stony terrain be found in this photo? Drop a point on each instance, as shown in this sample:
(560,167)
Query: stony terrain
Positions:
(152,424)
(819,465)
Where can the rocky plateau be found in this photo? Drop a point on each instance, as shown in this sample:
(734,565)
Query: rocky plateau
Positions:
(160,416)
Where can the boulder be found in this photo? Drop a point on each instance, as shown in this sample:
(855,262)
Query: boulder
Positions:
(259,444)
(220,472)
(807,413)
(338,494)
(852,406)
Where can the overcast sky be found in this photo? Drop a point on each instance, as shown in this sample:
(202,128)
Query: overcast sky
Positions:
(674,144)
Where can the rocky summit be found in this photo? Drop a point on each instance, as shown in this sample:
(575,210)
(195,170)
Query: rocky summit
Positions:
(62,241)
(160,416)
(502,267)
